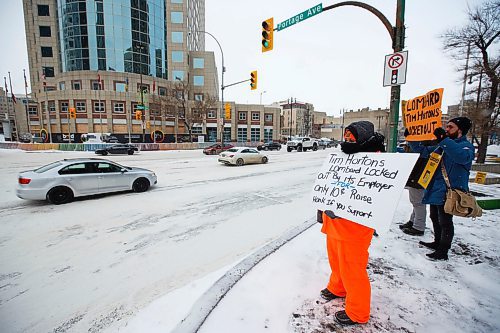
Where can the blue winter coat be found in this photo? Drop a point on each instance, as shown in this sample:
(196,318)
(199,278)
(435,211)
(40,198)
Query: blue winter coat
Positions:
(457,158)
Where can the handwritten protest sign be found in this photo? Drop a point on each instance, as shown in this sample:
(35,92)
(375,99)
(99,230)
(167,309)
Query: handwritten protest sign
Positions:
(364,188)
(422,115)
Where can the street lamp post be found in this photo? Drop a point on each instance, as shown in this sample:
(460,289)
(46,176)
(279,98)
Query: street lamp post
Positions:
(222,85)
(260,101)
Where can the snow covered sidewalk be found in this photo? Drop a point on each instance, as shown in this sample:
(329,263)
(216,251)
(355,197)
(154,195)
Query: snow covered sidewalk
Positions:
(409,292)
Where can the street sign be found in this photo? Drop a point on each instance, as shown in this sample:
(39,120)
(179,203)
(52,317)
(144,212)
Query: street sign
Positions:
(300,17)
(395,68)
(141,107)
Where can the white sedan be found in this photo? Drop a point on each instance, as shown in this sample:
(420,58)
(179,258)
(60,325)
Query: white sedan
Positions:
(242,155)
(61,181)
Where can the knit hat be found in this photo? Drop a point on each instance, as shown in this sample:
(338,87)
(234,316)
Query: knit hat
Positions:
(463,123)
(362,130)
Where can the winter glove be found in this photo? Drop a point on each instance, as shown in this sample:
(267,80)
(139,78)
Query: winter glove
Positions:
(331,214)
(440,134)
(319,216)
(406,132)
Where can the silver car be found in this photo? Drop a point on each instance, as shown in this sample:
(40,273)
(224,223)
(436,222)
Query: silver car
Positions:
(242,155)
(61,181)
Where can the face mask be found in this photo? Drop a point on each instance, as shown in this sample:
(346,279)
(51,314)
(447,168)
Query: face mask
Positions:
(350,147)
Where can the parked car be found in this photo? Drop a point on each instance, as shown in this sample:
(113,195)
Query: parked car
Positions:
(122,148)
(327,143)
(271,145)
(302,144)
(61,181)
(242,155)
(216,148)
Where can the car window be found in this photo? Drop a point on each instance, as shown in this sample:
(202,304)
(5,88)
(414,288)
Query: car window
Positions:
(245,151)
(47,167)
(75,169)
(232,150)
(252,151)
(107,168)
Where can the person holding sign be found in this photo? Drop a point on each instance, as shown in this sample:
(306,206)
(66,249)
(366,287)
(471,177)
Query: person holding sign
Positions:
(457,157)
(348,242)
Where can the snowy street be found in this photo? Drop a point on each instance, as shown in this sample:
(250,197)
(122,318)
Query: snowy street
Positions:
(92,262)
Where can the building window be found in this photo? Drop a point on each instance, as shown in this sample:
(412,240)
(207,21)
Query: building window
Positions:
(211,114)
(62,85)
(162,91)
(242,135)
(268,134)
(198,80)
(50,88)
(43,10)
(242,116)
(176,1)
(48,71)
(80,106)
(94,85)
(196,130)
(119,107)
(255,134)
(176,17)
(198,63)
(268,117)
(177,56)
(177,37)
(198,97)
(178,75)
(77,85)
(63,106)
(33,111)
(99,107)
(120,86)
(255,116)
(227,134)
(47,52)
(45,31)
(52,106)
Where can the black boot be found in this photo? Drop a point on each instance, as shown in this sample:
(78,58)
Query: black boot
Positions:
(343,318)
(438,255)
(328,295)
(406,225)
(430,245)
(412,231)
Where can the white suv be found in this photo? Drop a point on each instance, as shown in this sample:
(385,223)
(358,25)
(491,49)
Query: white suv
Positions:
(302,144)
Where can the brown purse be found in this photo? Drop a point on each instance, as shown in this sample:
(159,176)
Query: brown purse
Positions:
(459,203)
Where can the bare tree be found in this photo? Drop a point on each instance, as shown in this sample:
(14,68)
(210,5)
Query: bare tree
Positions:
(477,41)
(203,106)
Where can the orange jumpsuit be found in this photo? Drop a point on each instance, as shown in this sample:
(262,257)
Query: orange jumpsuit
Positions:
(347,245)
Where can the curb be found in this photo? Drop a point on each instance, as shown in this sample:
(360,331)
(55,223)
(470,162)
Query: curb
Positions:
(208,301)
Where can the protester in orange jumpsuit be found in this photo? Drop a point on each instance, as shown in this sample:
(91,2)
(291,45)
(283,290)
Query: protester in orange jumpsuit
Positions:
(347,242)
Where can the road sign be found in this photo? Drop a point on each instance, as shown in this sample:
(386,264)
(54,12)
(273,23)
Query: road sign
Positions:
(141,107)
(300,17)
(395,69)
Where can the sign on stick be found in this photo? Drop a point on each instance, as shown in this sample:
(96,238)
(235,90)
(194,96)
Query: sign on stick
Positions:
(364,188)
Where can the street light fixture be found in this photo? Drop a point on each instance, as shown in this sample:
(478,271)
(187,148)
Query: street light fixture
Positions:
(263,92)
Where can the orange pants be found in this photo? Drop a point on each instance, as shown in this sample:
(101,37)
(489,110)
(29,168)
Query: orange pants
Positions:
(347,245)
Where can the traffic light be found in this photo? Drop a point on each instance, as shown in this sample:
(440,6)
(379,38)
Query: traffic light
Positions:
(253,80)
(227,108)
(72,113)
(138,115)
(267,34)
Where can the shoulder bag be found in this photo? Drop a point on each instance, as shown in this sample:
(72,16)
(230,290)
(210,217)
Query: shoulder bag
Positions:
(459,203)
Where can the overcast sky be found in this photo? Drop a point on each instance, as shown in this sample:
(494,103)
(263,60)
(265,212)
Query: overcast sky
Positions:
(334,60)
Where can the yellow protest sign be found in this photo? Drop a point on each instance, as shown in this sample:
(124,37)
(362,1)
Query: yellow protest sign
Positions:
(422,115)
(480,177)
(430,169)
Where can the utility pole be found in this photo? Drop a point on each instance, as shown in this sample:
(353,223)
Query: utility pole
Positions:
(461,108)
(27,103)
(143,112)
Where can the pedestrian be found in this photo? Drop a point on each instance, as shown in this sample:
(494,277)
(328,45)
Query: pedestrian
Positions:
(416,225)
(457,156)
(348,242)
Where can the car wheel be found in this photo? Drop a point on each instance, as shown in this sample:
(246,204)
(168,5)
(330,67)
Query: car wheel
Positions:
(239,162)
(140,185)
(315,147)
(130,152)
(60,195)
(264,160)
(299,148)
(265,148)
(288,149)
(104,153)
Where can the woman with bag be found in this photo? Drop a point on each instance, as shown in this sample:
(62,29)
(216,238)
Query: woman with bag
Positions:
(457,156)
